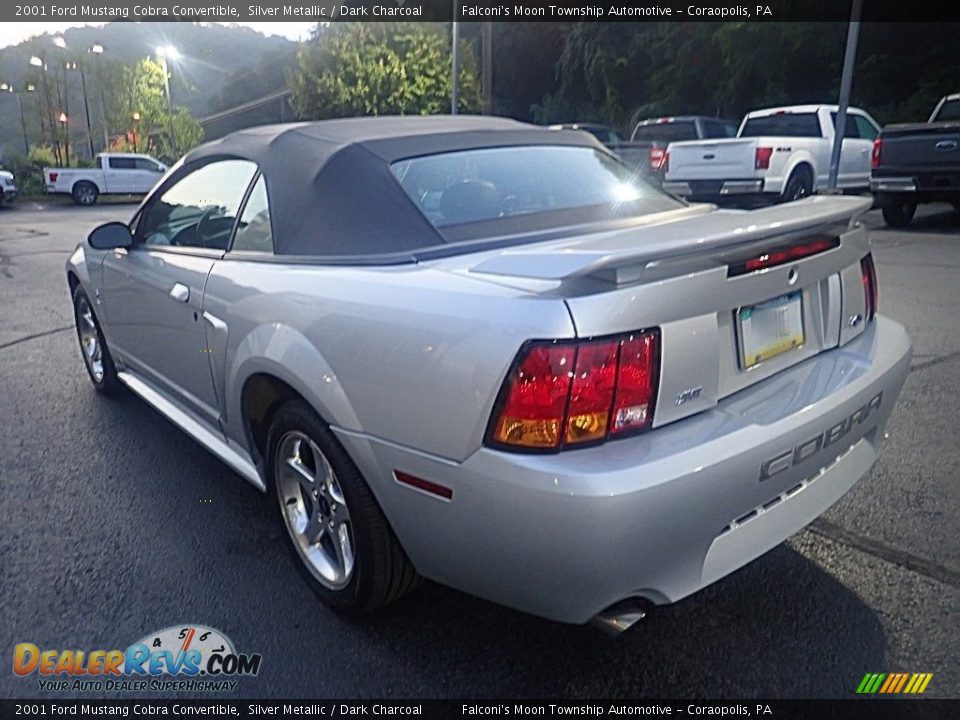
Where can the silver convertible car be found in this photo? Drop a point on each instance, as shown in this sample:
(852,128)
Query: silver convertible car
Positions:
(480,352)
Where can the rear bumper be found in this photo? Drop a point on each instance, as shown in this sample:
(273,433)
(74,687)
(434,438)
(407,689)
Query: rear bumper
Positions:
(711,189)
(9,193)
(660,515)
(940,184)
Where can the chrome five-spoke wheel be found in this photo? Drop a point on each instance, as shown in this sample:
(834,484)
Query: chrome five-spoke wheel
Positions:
(89,339)
(315,510)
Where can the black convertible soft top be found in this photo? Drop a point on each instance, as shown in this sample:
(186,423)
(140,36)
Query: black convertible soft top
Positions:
(330,186)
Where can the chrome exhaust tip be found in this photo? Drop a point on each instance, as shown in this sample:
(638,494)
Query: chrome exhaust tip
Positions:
(621,616)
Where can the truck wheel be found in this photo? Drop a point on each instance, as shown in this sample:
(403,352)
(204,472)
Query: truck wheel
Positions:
(84,193)
(342,543)
(899,214)
(799,185)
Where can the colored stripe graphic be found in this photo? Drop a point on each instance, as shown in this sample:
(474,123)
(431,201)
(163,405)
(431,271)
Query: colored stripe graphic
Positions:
(894,683)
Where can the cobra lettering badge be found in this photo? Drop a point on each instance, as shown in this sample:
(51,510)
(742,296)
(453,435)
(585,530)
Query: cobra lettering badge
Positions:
(202,658)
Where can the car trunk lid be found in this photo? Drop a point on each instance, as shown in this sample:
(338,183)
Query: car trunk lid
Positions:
(711,281)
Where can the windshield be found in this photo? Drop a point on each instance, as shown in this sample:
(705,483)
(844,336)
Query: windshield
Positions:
(557,184)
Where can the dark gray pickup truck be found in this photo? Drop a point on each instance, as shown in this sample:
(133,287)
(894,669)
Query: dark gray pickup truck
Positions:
(918,163)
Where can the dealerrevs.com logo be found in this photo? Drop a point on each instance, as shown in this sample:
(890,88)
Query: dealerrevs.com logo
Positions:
(180,658)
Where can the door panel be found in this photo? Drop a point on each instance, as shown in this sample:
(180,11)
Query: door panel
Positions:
(153,291)
(154,309)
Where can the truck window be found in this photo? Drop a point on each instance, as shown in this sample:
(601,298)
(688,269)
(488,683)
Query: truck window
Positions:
(145,164)
(851,129)
(122,163)
(949,111)
(866,128)
(783,125)
(99,164)
(666,132)
(718,129)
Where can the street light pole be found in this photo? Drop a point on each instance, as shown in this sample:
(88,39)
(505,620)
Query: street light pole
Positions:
(86,108)
(173,54)
(846,82)
(97,49)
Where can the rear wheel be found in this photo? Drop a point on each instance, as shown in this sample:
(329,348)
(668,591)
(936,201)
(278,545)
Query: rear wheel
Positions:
(799,185)
(898,214)
(343,545)
(85,193)
(96,355)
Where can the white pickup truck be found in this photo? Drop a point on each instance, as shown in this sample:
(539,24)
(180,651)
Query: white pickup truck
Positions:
(114,173)
(780,154)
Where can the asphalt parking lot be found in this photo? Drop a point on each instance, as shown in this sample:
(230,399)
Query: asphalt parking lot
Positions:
(114,524)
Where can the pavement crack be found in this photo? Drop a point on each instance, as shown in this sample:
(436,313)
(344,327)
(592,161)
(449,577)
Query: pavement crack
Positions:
(935,361)
(5,345)
(877,549)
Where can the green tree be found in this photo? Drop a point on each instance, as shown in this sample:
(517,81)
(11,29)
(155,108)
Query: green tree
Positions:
(350,69)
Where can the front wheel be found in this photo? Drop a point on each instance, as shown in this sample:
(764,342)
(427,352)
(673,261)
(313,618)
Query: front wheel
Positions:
(84,193)
(96,355)
(899,214)
(343,545)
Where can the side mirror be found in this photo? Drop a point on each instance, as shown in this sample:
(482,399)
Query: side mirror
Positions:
(110,236)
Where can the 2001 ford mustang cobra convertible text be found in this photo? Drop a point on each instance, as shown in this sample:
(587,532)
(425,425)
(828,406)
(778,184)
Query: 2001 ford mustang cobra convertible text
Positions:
(480,352)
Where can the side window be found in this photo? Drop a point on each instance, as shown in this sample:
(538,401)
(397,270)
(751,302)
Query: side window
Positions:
(199,209)
(866,128)
(122,163)
(145,164)
(253,231)
(850,129)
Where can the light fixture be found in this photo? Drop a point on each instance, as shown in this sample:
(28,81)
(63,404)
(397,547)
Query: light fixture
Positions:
(59,42)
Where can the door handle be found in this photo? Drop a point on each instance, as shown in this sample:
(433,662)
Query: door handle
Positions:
(180,292)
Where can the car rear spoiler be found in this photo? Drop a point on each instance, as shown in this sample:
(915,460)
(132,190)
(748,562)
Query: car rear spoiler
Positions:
(620,256)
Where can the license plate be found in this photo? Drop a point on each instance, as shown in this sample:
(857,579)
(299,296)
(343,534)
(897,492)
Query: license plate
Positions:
(770,328)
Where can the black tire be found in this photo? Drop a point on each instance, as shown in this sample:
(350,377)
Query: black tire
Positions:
(105,381)
(85,193)
(381,571)
(898,214)
(799,185)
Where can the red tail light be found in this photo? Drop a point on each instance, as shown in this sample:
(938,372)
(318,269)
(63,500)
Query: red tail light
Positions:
(761,158)
(658,157)
(877,152)
(869,275)
(781,255)
(53,177)
(566,394)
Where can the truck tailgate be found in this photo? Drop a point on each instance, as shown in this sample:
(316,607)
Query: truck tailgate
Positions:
(712,159)
(921,147)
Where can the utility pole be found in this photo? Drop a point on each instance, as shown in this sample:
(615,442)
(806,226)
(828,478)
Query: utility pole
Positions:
(846,82)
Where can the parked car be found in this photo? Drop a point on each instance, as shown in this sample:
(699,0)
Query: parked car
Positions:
(478,351)
(647,149)
(918,163)
(113,173)
(8,187)
(604,133)
(779,154)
